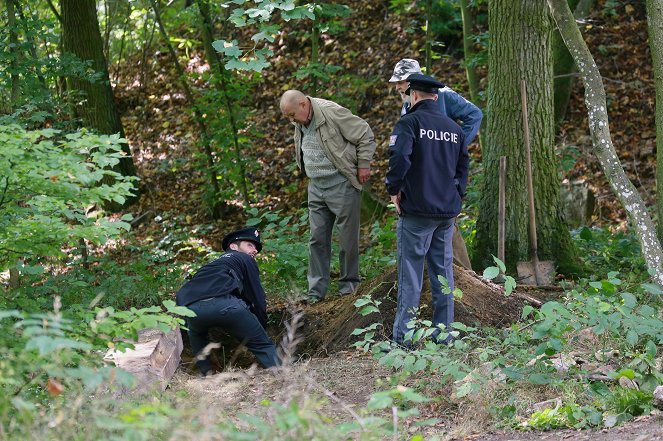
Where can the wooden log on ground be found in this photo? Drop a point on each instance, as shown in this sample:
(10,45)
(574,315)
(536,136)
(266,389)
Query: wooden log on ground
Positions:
(153,360)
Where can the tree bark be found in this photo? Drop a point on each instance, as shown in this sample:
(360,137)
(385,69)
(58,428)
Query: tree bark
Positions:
(82,38)
(655,25)
(595,100)
(520,49)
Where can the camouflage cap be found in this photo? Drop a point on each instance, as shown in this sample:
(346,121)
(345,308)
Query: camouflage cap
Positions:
(405,68)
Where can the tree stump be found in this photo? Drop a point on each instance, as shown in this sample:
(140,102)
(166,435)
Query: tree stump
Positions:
(153,360)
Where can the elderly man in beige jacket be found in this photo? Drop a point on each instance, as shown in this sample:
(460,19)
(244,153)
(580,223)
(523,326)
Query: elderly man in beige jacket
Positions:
(334,148)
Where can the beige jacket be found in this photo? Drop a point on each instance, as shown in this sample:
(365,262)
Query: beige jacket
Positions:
(346,139)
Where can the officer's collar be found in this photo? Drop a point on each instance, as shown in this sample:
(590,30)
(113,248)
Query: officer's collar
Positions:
(423,103)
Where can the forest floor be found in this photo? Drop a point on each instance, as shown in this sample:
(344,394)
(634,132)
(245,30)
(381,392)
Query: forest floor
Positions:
(159,130)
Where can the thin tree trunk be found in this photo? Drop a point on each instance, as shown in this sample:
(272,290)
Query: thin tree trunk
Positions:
(107,30)
(429,36)
(217,211)
(15,52)
(123,40)
(147,44)
(655,24)
(469,53)
(217,64)
(31,44)
(315,55)
(595,100)
(564,67)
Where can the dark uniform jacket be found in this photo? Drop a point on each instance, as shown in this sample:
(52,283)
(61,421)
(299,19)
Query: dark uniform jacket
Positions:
(233,273)
(428,162)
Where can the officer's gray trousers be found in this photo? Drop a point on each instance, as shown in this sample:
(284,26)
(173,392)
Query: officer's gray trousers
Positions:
(338,204)
(423,239)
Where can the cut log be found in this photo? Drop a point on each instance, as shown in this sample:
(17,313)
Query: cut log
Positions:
(153,360)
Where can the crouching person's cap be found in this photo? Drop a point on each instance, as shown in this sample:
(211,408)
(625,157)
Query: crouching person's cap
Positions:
(423,83)
(251,234)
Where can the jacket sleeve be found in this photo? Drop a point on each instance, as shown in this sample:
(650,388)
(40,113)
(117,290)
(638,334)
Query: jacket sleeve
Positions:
(253,291)
(356,131)
(462,169)
(400,150)
(460,109)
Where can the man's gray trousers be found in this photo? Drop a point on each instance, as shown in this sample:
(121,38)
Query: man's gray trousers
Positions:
(339,204)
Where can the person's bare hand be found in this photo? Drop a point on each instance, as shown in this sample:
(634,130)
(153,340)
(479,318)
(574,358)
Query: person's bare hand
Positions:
(396,200)
(363,174)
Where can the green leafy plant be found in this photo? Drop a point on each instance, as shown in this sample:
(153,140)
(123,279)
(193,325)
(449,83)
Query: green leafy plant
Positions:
(499,273)
(51,188)
(283,263)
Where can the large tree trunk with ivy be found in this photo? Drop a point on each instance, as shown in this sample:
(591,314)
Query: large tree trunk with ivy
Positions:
(598,126)
(520,50)
(655,24)
(564,66)
(81,37)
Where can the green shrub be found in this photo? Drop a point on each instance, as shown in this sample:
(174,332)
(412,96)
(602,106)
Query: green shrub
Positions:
(51,188)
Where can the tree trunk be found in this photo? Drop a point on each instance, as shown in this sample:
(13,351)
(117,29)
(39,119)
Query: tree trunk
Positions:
(564,67)
(14,51)
(655,25)
(602,140)
(315,52)
(82,38)
(429,36)
(217,65)
(520,49)
(217,207)
(468,53)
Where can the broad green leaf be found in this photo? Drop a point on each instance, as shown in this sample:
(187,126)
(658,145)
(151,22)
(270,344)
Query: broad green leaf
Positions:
(509,285)
(500,264)
(491,272)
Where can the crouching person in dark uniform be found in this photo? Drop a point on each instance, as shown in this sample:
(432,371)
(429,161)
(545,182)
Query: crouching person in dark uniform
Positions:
(227,294)
(427,176)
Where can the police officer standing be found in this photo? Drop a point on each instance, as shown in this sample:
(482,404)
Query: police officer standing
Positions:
(227,294)
(427,176)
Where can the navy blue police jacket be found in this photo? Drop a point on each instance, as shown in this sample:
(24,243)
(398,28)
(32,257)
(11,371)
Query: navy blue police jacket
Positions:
(428,162)
(234,273)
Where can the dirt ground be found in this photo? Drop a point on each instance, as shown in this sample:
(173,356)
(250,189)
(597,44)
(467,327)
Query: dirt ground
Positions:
(334,381)
(336,387)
